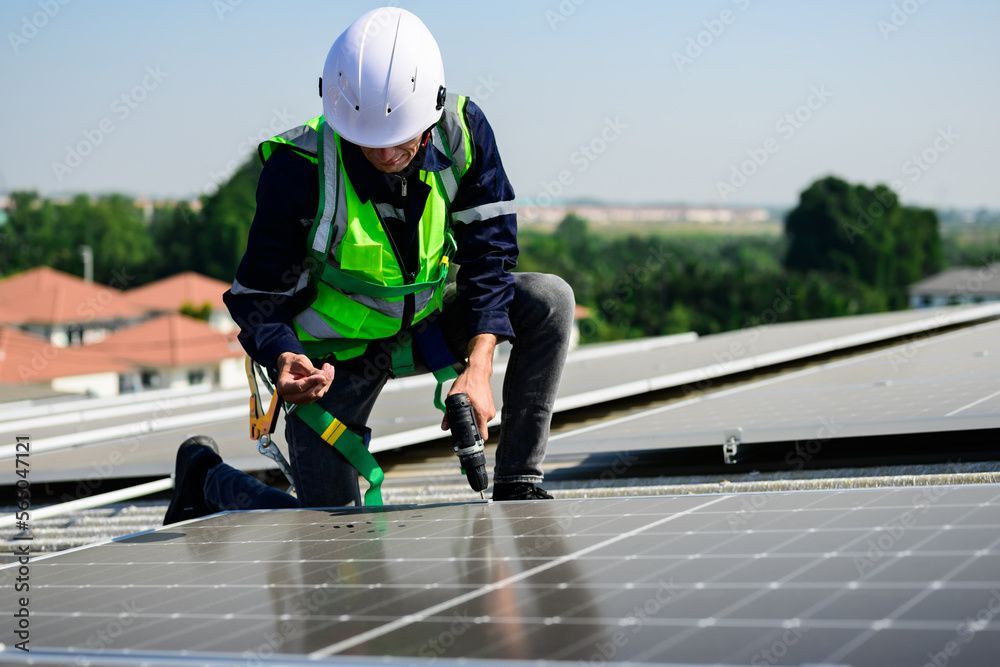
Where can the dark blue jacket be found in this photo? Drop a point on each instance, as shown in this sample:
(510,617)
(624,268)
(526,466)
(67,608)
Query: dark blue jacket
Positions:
(270,288)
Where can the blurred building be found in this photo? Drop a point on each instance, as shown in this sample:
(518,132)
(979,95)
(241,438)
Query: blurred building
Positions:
(175,351)
(188,290)
(607,215)
(62,334)
(64,309)
(958,285)
(31,361)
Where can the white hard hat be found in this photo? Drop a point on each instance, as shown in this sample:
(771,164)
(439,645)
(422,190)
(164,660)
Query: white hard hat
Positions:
(383,81)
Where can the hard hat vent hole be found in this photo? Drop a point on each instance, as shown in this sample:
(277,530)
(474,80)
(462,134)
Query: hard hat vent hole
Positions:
(357,108)
(388,110)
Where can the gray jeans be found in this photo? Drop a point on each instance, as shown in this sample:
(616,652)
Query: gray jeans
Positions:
(541,315)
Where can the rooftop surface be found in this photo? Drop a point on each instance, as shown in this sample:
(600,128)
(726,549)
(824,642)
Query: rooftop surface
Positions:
(46,296)
(644,557)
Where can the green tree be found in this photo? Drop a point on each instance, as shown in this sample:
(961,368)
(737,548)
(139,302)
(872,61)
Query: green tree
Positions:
(114,229)
(225,222)
(198,312)
(175,232)
(31,235)
(40,232)
(863,234)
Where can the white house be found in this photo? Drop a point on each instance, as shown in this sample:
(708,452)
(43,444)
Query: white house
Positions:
(32,362)
(959,285)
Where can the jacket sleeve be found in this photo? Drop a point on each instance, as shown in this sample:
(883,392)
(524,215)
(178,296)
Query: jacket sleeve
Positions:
(485,228)
(272,284)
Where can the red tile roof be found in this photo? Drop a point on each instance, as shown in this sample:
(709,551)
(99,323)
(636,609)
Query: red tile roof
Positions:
(26,359)
(171,293)
(169,340)
(46,296)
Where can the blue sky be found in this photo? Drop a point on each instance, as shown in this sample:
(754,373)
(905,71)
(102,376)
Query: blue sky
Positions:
(722,101)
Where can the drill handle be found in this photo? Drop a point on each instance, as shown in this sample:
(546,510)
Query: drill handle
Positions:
(462,420)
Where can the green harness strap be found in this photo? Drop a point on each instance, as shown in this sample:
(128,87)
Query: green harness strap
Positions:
(351,445)
(348,443)
(442,375)
(402,360)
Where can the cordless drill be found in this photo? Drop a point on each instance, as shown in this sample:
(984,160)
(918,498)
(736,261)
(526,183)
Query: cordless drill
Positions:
(468,442)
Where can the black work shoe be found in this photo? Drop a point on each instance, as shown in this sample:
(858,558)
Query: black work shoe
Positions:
(194,458)
(519,491)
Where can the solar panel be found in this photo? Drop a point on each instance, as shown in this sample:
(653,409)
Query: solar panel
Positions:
(849,577)
(404,416)
(934,384)
(123,447)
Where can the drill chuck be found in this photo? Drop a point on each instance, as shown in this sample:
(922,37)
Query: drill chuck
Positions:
(467,441)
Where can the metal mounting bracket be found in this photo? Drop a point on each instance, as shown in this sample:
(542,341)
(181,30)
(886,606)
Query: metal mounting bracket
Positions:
(731,441)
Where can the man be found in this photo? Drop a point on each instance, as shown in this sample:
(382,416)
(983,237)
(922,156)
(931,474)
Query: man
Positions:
(360,213)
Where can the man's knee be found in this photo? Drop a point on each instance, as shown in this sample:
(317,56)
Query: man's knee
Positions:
(550,291)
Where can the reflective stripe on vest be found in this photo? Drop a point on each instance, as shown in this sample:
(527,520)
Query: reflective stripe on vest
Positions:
(301,139)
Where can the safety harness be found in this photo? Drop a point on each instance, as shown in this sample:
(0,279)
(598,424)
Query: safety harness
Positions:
(428,339)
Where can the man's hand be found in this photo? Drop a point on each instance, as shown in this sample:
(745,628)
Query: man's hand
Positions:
(299,381)
(474,382)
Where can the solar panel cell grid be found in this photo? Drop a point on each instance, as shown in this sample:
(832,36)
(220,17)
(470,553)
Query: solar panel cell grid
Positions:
(861,577)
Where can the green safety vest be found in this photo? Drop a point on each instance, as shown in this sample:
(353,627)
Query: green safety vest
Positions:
(361,289)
